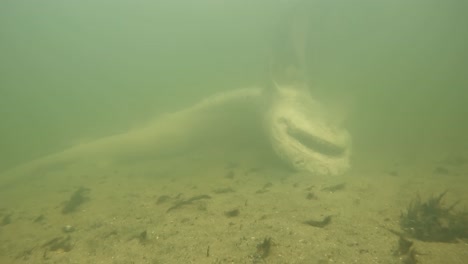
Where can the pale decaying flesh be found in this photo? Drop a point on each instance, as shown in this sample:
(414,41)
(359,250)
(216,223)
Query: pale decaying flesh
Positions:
(298,131)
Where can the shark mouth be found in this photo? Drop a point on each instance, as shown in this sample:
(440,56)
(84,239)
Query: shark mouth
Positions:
(304,138)
(315,143)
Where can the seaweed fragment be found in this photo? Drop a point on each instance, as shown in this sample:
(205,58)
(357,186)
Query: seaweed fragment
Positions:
(441,170)
(410,258)
(223,190)
(6,220)
(232,213)
(59,244)
(405,249)
(404,246)
(265,188)
(39,219)
(188,201)
(25,254)
(162,199)
(321,223)
(311,196)
(263,249)
(432,221)
(334,188)
(143,237)
(77,198)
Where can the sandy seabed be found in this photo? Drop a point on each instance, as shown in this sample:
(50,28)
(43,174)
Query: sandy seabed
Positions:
(217,208)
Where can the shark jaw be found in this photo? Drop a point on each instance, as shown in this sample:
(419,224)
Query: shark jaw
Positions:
(303,136)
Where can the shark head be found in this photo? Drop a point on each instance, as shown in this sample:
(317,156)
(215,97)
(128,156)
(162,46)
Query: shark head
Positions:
(302,134)
(301,130)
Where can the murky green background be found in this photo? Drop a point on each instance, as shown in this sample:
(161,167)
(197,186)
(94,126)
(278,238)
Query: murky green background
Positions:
(72,71)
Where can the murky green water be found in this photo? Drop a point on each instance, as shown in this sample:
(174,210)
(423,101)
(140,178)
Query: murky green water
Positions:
(74,71)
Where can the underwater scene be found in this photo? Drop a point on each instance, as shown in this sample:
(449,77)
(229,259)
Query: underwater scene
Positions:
(218,131)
